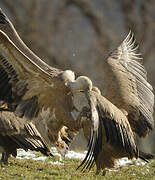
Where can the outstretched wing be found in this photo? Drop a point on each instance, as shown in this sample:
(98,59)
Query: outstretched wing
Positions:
(22,81)
(30,92)
(127,86)
(7,27)
(109,120)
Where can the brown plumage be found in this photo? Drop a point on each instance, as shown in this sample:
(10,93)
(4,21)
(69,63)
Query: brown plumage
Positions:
(16,133)
(113,126)
(26,83)
(7,27)
(127,86)
(111,136)
(52,99)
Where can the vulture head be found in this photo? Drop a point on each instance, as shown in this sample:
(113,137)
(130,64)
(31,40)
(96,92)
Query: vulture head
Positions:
(81,84)
(68,76)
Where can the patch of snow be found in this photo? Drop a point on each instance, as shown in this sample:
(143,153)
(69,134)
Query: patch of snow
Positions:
(74,155)
(25,155)
(29,155)
(140,162)
(69,154)
(123,162)
(126,161)
(57,163)
(40,158)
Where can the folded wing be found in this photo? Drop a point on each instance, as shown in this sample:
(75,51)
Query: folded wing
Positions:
(108,119)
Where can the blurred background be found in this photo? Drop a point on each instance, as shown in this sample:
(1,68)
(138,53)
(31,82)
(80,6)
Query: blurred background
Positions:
(79,35)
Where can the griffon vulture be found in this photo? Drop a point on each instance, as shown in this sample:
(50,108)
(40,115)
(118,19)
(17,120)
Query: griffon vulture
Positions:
(125,111)
(52,98)
(34,90)
(16,133)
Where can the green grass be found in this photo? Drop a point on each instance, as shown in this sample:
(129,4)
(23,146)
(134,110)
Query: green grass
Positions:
(30,169)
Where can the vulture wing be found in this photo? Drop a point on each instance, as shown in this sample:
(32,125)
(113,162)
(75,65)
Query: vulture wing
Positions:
(108,119)
(7,27)
(15,132)
(18,72)
(127,86)
(30,92)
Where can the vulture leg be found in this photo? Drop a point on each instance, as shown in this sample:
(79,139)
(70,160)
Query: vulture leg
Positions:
(5,156)
(98,172)
(104,172)
(67,135)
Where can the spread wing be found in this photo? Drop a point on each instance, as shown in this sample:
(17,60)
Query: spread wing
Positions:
(109,120)
(21,80)
(20,134)
(127,86)
(31,93)
(7,27)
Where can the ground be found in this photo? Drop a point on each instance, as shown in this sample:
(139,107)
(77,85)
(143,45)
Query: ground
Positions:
(39,167)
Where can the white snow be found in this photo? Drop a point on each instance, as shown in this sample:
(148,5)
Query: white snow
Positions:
(126,161)
(32,155)
(73,155)
(57,163)
(29,155)
(123,162)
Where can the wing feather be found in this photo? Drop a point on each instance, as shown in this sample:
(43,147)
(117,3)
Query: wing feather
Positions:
(7,27)
(117,129)
(127,85)
(95,141)
(21,79)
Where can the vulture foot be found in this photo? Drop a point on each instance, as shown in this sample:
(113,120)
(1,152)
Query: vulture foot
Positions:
(104,172)
(4,159)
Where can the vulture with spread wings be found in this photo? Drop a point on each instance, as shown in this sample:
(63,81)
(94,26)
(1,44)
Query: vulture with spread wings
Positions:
(124,112)
(51,99)
(33,90)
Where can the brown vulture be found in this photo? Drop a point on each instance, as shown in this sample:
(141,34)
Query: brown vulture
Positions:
(52,99)
(34,90)
(16,133)
(125,111)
